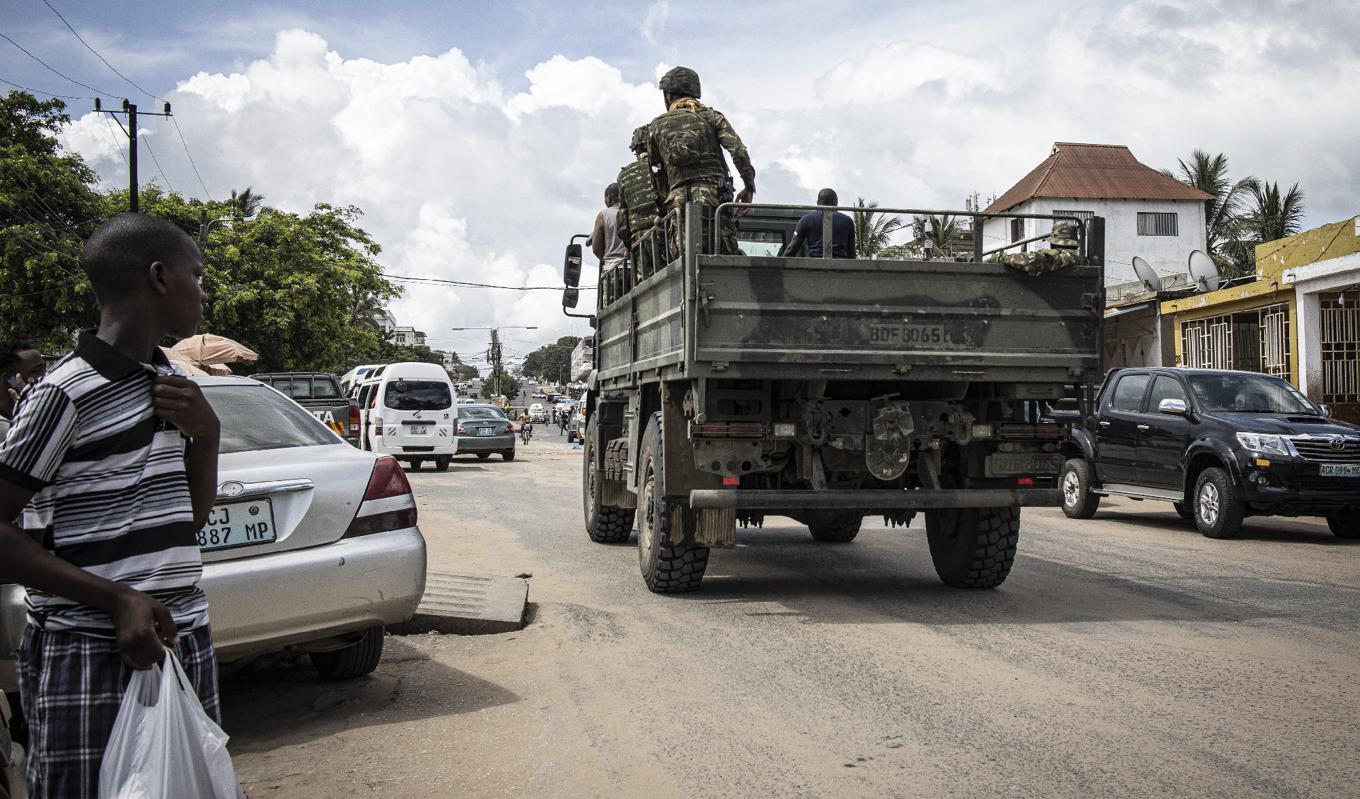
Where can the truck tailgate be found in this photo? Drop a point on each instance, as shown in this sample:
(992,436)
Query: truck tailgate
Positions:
(881,319)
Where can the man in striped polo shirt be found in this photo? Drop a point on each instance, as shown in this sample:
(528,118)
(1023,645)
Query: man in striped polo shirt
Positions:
(113,461)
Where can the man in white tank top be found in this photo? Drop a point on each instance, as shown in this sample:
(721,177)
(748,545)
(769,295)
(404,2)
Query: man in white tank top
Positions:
(608,245)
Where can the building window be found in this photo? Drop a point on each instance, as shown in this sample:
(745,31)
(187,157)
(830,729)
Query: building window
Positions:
(1017,229)
(1157,224)
(1082,216)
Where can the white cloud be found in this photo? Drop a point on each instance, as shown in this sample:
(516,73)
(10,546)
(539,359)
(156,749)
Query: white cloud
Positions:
(654,21)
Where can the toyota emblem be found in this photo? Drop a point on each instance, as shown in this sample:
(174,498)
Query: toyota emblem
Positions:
(1338,443)
(231,488)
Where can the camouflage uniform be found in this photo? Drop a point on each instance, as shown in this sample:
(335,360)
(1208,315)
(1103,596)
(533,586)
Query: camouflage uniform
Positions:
(1063,251)
(638,203)
(686,143)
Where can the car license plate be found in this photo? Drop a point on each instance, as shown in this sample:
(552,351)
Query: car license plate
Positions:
(485,431)
(1339,470)
(238,524)
(418,429)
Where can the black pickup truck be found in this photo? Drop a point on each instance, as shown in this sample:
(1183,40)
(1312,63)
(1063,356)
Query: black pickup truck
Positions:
(1221,445)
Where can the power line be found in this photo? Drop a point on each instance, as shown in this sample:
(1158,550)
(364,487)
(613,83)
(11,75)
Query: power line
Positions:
(53,69)
(465,284)
(39,91)
(201,184)
(97,55)
(118,146)
(157,162)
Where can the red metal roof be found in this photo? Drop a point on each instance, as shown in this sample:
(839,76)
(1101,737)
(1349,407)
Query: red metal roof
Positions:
(1094,171)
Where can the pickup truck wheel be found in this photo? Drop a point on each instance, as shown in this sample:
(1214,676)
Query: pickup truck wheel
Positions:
(666,569)
(605,524)
(1184,512)
(355,660)
(973,547)
(1218,510)
(1345,525)
(840,530)
(1078,501)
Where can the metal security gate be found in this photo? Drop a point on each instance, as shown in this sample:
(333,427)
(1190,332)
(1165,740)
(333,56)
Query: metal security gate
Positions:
(1274,322)
(1340,345)
(1254,341)
(1207,343)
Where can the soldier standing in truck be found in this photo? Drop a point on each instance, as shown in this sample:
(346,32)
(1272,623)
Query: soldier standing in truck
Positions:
(686,143)
(639,206)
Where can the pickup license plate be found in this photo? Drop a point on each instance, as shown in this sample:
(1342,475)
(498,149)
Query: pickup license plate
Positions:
(1006,464)
(486,431)
(418,429)
(238,524)
(1339,470)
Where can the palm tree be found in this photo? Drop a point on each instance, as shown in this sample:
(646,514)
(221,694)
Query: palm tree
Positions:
(1273,215)
(245,203)
(1223,212)
(937,231)
(873,229)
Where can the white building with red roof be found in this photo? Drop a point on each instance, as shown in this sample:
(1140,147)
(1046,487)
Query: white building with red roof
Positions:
(1146,213)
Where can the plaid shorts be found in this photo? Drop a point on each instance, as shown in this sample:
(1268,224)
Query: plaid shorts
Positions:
(71,686)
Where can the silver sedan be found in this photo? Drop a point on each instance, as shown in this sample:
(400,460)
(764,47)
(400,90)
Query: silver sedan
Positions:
(312,544)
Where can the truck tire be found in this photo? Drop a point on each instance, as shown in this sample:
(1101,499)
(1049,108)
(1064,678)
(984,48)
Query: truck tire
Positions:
(605,524)
(973,547)
(355,660)
(665,569)
(1344,525)
(839,530)
(1218,507)
(1075,482)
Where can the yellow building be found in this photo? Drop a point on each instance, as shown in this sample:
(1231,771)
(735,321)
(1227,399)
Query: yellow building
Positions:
(1299,319)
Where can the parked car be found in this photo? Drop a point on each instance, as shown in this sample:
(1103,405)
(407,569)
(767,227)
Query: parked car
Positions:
(485,430)
(537,414)
(576,427)
(1220,445)
(407,410)
(312,544)
(321,394)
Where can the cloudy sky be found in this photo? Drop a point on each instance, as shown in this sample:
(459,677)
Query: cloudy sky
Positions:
(477,137)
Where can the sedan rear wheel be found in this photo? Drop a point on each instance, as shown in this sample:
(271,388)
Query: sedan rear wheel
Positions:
(355,660)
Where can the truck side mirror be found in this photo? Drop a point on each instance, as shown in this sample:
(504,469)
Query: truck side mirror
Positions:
(1172,406)
(1326,410)
(570,297)
(571,268)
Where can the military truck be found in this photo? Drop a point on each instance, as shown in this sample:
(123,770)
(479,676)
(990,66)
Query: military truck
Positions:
(728,388)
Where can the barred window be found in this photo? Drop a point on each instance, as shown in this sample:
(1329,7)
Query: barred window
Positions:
(1083,216)
(1157,223)
(1017,229)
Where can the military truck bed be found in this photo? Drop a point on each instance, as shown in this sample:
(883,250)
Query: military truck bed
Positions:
(839,319)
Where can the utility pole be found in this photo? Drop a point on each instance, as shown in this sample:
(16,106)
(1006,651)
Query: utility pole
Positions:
(493,354)
(130,110)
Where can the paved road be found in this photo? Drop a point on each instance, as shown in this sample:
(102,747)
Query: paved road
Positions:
(1126,656)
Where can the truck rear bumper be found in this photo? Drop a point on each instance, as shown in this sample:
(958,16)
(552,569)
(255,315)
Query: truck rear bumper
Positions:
(875,499)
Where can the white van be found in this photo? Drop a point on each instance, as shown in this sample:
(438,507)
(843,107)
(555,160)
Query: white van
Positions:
(349,381)
(409,411)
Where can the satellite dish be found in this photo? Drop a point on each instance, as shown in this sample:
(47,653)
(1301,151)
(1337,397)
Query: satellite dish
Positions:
(1151,280)
(1203,271)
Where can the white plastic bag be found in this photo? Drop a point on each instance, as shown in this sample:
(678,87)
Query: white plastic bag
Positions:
(163,744)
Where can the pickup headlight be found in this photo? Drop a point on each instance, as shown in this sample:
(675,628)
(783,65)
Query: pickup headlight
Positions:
(1264,443)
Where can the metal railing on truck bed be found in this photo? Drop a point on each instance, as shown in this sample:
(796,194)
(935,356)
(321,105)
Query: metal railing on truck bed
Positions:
(859,319)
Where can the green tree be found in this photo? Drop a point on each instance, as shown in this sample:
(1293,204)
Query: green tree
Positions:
(48,207)
(1223,212)
(1273,215)
(508,385)
(553,361)
(245,203)
(939,232)
(873,229)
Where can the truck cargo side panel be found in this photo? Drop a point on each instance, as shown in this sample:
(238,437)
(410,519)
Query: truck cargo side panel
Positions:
(643,331)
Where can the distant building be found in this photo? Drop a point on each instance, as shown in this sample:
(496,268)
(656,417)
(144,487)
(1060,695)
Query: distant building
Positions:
(583,359)
(1146,213)
(407,336)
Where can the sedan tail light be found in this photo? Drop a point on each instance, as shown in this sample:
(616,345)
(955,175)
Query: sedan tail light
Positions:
(353,419)
(388,502)
(461,431)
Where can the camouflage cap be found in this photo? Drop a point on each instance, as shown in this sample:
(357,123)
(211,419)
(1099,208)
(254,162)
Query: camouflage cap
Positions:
(639,141)
(1064,235)
(681,80)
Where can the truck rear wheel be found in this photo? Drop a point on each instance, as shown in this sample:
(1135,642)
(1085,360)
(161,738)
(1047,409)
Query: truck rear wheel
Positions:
(973,547)
(605,524)
(836,529)
(666,569)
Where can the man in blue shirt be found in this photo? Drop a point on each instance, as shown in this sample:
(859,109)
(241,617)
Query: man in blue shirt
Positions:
(809,230)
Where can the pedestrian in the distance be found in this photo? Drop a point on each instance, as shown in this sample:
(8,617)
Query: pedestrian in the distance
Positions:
(21,365)
(112,460)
